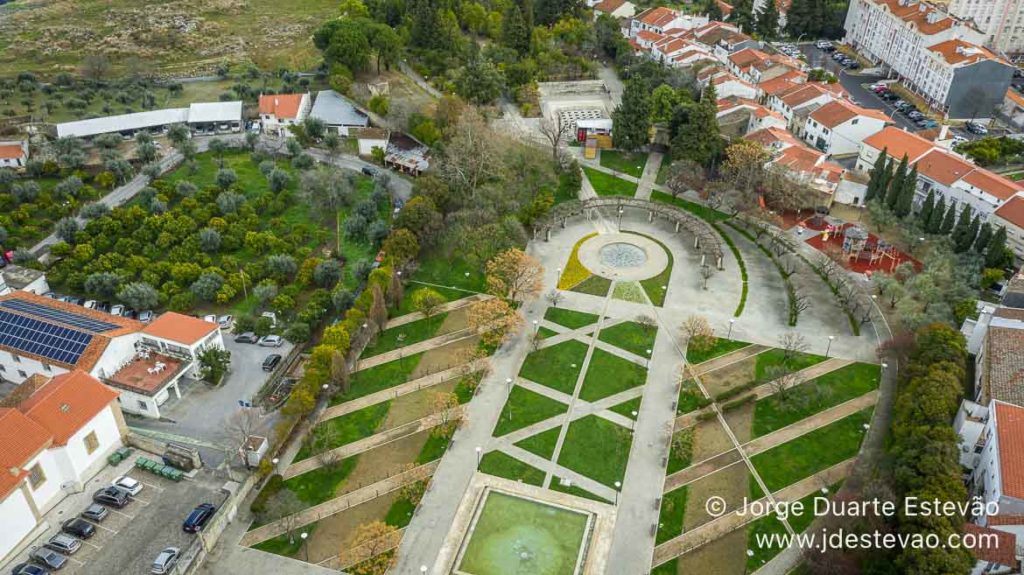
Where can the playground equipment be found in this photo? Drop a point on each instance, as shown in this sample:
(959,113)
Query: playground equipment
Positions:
(859,246)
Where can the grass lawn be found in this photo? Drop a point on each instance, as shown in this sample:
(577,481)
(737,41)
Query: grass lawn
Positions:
(466,386)
(673,510)
(347,428)
(810,397)
(680,453)
(669,567)
(663,169)
(545,333)
(524,408)
(502,465)
(776,356)
(408,334)
(722,346)
(449,294)
(434,448)
(631,336)
(629,291)
(577,491)
(657,286)
(808,454)
(594,285)
(609,185)
(626,408)
(596,448)
(694,208)
(609,374)
(570,318)
(379,377)
(690,398)
(315,487)
(557,366)
(285,544)
(542,444)
(400,513)
(626,162)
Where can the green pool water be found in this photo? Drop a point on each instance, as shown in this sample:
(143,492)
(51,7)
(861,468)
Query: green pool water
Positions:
(516,536)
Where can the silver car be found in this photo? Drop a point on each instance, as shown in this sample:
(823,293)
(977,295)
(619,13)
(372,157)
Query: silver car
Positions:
(165,561)
(271,341)
(63,543)
(47,557)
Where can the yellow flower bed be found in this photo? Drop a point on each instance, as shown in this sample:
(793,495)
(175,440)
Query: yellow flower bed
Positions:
(574,271)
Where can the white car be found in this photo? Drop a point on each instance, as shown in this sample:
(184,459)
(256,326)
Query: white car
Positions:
(225,321)
(132,486)
(210,318)
(116,309)
(165,561)
(271,341)
(89,304)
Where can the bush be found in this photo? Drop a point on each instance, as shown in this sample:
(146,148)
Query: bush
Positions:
(259,503)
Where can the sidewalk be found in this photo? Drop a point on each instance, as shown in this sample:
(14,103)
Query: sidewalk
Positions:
(443,308)
(413,349)
(650,176)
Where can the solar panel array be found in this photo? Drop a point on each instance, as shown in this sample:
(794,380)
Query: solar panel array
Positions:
(59,315)
(42,338)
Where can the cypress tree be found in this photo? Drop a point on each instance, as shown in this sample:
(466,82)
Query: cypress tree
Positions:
(515,31)
(876,176)
(968,238)
(935,220)
(984,235)
(963,226)
(996,249)
(925,215)
(948,221)
(743,15)
(632,119)
(884,181)
(896,185)
(768,21)
(906,200)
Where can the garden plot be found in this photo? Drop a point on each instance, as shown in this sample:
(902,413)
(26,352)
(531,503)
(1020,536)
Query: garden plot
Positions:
(725,555)
(731,484)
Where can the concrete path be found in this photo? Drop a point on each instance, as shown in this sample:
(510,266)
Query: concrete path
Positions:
(553,469)
(443,308)
(728,359)
(404,389)
(413,349)
(230,557)
(338,504)
(729,522)
(650,176)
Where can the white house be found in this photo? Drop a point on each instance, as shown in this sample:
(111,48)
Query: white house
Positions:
(215,117)
(15,278)
(13,154)
(168,350)
(615,8)
(839,127)
(797,102)
(743,115)
(205,117)
(370,138)
(338,112)
(799,161)
(54,438)
(1011,216)
(279,111)
(990,440)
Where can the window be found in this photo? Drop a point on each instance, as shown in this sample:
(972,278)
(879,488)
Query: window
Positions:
(36,477)
(46,367)
(92,443)
(22,374)
(143,405)
(2,368)
(855,120)
(15,358)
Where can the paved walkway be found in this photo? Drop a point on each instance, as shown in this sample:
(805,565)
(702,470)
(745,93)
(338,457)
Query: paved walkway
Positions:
(413,349)
(443,308)
(338,504)
(650,176)
(728,359)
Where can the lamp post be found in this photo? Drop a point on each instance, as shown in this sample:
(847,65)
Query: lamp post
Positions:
(618,486)
(536,327)
(305,547)
(423,568)
(648,360)
(620,219)
(634,420)
(829,346)
(508,382)
(732,321)
(478,450)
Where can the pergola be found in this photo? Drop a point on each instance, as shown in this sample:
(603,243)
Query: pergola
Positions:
(705,239)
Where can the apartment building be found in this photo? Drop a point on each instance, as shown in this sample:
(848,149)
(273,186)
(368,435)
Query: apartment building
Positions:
(1002,22)
(800,100)
(1010,215)
(932,53)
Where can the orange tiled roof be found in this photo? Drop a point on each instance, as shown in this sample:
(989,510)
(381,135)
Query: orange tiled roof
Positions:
(1010,427)
(658,17)
(747,57)
(959,52)
(994,184)
(281,105)
(1015,97)
(837,112)
(20,440)
(11,152)
(609,6)
(66,403)
(1013,211)
(801,94)
(899,143)
(1003,552)
(782,83)
(917,14)
(943,168)
(773,135)
(649,36)
(180,328)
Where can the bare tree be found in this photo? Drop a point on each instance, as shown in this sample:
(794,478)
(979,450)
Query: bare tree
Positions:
(706,272)
(554,131)
(792,343)
(554,297)
(782,378)
(324,440)
(647,322)
(239,427)
(698,332)
(284,507)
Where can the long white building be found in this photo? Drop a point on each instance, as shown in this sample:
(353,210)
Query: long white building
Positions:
(934,54)
(1002,22)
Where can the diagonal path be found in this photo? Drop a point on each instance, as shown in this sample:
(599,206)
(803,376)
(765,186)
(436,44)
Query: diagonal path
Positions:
(413,349)
(649,178)
(552,468)
(445,307)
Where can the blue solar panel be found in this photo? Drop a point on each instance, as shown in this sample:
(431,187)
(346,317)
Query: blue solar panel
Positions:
(59,315)
(41,338)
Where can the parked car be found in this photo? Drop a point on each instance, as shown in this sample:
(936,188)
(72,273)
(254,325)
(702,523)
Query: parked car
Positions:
(47,558)
(89,304)
(132,486)
(958,139)
(165,561)
(271,316)
(976,128)
(79,528)
(889,96)
(63,543)
(146,316)
(129,313)
(271,362)
(210,317)
(198,518)
(28,569)
(103,306)
(116,309)
(112,496)
(96,512)
(271,341)
(225,321)
(247,337)
(368,171)
(853,65)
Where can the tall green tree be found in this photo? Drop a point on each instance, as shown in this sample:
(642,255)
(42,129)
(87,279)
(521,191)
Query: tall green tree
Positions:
(768,21)
(742,15)
(984,235)
(631,121)
(885,182)
(962,229)
(386,43)
(934,223)
(515,32)
(948,221)
(547,12)
(346,43)
(877,173)
(972,233)
(664,99)
(996,250)
(697,137)
(906,200)
(927,208)
(897,184)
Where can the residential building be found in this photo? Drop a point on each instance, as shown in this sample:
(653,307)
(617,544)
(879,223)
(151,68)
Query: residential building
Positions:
(406,154)
(17,278)
(338,112)
(1001,21)
(202,117)
(932,53)
(279,111)
(660,20)
(680,53)
(1013,108)
(991,434)
(53,440)
(756,66)
(796,103)
(799,161)
(839,127)
(13,154)
(1011,216)
(740,116)
(947,174)
(615,9)
(999,364)
(369,138)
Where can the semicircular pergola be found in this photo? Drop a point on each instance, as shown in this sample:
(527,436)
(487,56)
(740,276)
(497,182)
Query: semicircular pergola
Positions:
(706,240)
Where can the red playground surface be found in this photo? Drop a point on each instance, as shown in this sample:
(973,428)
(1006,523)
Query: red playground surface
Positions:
(858,250)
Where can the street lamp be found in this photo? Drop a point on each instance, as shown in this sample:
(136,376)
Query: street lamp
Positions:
(618,486)
(508,381)
(478,451)
(732,321)
(620,218)
(305,547)
(648,359)
(634,420)
(829,347)
(423,568)
(536,326)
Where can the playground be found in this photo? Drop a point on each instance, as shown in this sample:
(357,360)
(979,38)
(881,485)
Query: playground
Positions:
(859,250)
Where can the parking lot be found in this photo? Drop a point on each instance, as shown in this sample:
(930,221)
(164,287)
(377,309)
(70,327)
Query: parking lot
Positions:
(199,417)
(128,539)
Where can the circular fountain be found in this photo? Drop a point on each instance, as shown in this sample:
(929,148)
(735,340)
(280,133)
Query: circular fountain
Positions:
(623,257)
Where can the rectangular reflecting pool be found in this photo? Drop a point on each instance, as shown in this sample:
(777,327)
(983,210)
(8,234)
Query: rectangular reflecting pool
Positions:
(513,535)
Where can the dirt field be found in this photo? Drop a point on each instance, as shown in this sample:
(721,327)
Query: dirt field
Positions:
(335,532)
(443,357)
(723,556)
(709,439)
(729,376)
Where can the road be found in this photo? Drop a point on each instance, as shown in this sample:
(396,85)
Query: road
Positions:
(401,188)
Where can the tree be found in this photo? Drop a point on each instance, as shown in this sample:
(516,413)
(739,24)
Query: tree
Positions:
(102,284)
(995,253)
(370,541)
(554,297)
(696,136)
(896,185)
(386,43)
(139,295)
(427,301)
(792,344)
(282,266)
(878,182)
(632,118)
(401,245)
(663,101)
(905,202)
(555,132)
(95,67)
(743,15)
(229,202)
(214,362)
(207,286)
(314,128)
(94,210)
(378,313)
(209,240)
(515,30)
(946,226)
(479,81)
(699,335)
(66,229)
(768,20)
(327,273)
(471,156)
(782,378)
(984,236)
(340,376)
(218,147)
(265,292)
(346,43)
(515,275)
(226,178)
(327,188)
(927,208)
(744,163)
(961,231)
(238,428)
(495,321)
